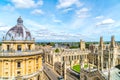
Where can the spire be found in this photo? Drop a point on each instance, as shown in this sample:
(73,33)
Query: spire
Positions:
(19,21)
(101,42)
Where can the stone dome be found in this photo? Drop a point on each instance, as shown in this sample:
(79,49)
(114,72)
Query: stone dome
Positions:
(18,32)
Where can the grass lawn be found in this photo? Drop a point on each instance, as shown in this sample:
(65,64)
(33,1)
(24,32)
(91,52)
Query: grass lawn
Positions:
(76,68)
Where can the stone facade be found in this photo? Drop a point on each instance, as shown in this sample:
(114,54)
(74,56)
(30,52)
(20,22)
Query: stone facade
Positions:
(19,59)
(105,56)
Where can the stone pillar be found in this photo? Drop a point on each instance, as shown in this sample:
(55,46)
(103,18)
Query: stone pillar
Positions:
(102,60)
(98,62)
(49,59)
(93,61)
(2,68)
(24,66)
(10,68)
(35,64)
(41,75)
(81,68)
(89,67)
(83,61)
(53,61)
(64,70)
(109,61)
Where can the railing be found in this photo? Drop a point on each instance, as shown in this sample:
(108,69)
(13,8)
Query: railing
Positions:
(20,53)
(18,41)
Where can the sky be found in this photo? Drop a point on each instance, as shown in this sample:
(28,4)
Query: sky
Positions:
(63,20)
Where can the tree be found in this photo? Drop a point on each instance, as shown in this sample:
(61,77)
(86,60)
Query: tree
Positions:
(52,44)
(57,50)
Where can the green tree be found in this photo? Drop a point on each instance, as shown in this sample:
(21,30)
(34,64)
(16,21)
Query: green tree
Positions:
(57,50)
(52,44)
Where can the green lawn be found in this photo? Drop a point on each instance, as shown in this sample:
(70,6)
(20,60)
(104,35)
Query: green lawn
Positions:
(76,68)
(85,66)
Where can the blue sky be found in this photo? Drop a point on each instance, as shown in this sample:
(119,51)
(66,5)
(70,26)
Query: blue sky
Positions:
(63,20)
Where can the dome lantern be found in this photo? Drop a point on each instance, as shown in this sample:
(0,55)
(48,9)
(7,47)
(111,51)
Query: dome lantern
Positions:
(19,21)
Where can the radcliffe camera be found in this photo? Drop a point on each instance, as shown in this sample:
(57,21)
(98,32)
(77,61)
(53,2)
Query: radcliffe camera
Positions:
(59,40)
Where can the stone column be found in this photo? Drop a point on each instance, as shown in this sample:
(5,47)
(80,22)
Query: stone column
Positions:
(64,70)
(35,64)
(24,66)
(13,68)
(2,68)
(93,63)
(47,58)
(41,75)
(81,68)
(98,62)
(102,60)
(89,65)
(53,61)
(109,66)
(10,67)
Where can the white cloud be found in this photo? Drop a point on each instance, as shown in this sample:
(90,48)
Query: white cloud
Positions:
(52,35)
(26,3)
(99,17)
(82,13)
(2,28)
(68,3)
(55,19)
(37,11)
(83,10)
(34,25)
(1,24)
(66,10)
(106,22)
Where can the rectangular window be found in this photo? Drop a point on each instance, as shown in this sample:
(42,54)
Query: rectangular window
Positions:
(29,47)
(8,47)
(6,73)
(18,64)
(19,47)
(18,72)
(36,60)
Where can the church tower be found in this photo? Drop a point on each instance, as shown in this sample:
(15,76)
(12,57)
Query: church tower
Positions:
(100,54)
(112,45)
(101,43)
(82,45)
